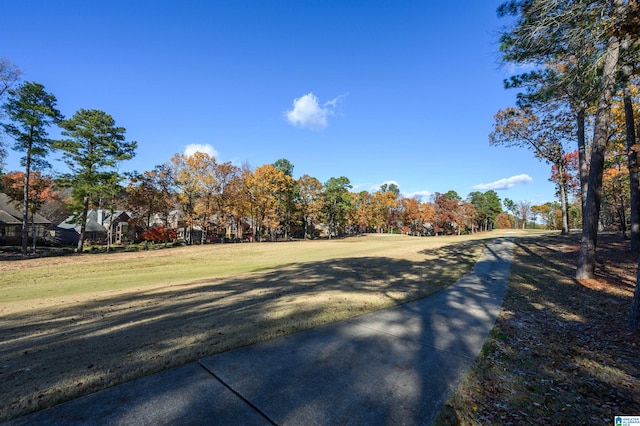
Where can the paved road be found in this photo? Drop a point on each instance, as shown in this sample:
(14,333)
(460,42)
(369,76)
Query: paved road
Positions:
(391,367)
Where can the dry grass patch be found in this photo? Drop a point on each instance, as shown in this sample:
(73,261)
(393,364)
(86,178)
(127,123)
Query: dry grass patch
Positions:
(74,325)
(560,352)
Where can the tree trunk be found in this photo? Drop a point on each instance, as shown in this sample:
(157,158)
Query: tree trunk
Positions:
(587,256)
(109,237)
(564,207)
(33,231)
(634,182)
(109,231)
(634,319)
(582,159)
(622,217)
(25,207)
(83,224)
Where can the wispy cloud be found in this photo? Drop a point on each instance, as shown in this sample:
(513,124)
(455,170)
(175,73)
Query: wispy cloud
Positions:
(505,183)
(418,194)
(308,113)
(204,148)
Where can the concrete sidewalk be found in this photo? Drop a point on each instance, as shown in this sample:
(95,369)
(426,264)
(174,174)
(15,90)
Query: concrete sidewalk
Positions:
(395,366)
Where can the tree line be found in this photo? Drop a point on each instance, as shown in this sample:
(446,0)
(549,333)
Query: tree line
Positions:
(575,108)
(218,199)
(269,204)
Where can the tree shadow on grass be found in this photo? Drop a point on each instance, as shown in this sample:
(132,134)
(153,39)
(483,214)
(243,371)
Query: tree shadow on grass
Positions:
(59,353)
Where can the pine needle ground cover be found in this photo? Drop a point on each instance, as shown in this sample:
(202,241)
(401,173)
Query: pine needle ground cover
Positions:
(560,352)
(76,324)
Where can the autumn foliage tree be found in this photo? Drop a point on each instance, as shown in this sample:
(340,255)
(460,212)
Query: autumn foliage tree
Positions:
(504,221)
(41,190)
(262,187)
(227,198)
(309,203)
(189,189)
(412,216)
(446,220)
(621,161)
(545,135)
(615,194)
(385,210)
(151,194)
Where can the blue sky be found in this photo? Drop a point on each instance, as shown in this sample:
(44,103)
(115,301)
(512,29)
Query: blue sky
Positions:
(376,91)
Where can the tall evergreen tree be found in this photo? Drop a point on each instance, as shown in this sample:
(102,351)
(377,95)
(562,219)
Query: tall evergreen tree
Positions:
(93,151)
(487,206)
(287,196)
(546,30)
(337,201)
(31,111)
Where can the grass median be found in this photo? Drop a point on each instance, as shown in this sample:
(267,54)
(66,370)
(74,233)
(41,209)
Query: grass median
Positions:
(76,324)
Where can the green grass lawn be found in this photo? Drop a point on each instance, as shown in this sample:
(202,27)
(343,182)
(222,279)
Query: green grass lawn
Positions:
(64,276)
(162,308)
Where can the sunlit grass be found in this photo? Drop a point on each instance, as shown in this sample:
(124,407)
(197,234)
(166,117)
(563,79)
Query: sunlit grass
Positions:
(163,308)
(64,276)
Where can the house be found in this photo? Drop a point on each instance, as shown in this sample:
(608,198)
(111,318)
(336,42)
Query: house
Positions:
(101,225)
(11,222)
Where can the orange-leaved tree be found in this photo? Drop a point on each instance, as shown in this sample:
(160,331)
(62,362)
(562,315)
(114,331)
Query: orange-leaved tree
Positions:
(309,203)
(40,190)
(152,196)
(262,187)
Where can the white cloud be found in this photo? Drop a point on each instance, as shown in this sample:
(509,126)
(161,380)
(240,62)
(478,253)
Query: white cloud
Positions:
(204,148)
(308,113)
(418,194)
(505,183)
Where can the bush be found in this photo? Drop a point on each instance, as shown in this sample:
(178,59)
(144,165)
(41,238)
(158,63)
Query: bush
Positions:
(157,234)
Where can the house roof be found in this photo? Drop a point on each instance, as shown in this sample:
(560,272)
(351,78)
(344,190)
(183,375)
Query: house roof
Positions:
(97,220)
(10,215)
(92,224)
(7,219)
(108,217)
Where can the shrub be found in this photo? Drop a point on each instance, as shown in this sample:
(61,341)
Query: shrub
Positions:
(157,234)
